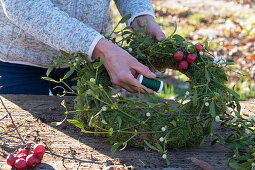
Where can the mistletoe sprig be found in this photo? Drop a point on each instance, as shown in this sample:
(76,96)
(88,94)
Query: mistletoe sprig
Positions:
(148,121)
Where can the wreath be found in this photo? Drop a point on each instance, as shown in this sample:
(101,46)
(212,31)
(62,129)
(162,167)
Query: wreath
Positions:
(146,120)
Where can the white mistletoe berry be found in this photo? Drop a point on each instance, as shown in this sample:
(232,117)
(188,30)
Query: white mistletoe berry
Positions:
(161,139)
(163,129)
(164,156)
(148,114)
(104,108)
(217,118)
(130,49)
(201,53)
(234,156)
(187,93)
(206,104)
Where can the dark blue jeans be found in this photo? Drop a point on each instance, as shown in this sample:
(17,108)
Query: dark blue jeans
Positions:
(24,79)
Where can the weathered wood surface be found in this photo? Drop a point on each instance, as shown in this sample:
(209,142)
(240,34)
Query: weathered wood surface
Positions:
(37,112)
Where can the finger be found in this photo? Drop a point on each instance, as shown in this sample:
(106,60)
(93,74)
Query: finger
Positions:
(159,35)
(136,84)
(128,88)
(142,69)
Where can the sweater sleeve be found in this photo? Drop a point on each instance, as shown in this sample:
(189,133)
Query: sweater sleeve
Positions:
(49,24)
(135,8)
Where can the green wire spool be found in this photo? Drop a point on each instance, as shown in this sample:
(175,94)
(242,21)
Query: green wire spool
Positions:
(153,84)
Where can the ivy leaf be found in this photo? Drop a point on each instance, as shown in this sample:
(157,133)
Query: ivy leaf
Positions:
(69,73)
(125,18)
(115,147)
(150,146)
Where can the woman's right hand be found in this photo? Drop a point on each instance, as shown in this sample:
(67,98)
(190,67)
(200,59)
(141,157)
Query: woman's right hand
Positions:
(119,64)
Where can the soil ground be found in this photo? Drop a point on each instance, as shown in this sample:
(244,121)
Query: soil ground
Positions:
(37,112)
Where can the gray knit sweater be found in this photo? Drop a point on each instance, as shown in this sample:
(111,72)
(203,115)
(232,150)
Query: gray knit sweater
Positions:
(32,31)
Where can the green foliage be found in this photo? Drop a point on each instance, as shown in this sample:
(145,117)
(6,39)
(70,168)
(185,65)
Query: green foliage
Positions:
(147,120)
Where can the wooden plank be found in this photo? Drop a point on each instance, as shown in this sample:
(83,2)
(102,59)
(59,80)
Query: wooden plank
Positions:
(37,112)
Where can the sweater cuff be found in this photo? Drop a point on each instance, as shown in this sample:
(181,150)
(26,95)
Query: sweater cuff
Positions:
(92,47)
(138,14)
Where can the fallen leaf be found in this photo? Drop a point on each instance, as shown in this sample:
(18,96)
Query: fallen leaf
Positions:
(201,164)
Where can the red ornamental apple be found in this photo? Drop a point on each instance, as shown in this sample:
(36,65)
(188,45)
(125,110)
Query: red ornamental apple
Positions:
(25,151)
(11,160)
(178,56)
(40,157)
(183,65)
(199,47)
(20,164)
(22,155)
(191,58)
(32,161)
(39,150)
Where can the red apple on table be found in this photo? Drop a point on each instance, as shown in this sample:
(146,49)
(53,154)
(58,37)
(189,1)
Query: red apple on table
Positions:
(20,164)
(39,150)
(32,161)
(11,160)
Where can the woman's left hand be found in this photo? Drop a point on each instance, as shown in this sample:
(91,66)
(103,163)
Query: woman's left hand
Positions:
(152,26)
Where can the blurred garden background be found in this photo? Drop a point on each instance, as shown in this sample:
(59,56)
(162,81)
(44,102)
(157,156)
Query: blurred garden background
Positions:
(228,26)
